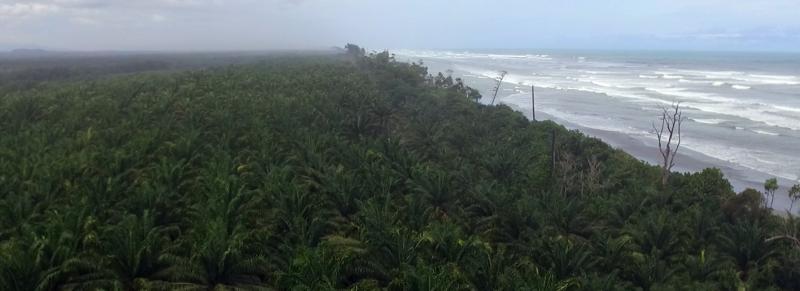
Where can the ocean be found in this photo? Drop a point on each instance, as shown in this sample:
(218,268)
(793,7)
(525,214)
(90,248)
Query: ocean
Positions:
(742,109)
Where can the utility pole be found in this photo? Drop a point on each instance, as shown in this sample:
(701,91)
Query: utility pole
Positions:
(533,103)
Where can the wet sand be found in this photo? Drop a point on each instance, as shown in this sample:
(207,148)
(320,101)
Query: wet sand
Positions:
(687,161)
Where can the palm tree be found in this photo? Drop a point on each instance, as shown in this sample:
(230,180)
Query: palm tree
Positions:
(745,242)
(390,245)
(770,186)
(612,251)
(431,278)
(312,269)
(218,252)
(20,270)
(300,218)
(657,234)
(218,261)
(566,215)
(449,244)
(487,271)
(129,257)
(608,282)
(703,267)
(16,211)
(334,265)
(42,259)
(437,187)
(565,258)
(532,278)
(794,195)
(649,270)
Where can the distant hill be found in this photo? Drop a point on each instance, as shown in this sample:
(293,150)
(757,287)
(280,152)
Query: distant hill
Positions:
(28,51)
(24,53)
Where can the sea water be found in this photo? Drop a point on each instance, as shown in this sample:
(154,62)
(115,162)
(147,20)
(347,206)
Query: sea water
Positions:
(741,108)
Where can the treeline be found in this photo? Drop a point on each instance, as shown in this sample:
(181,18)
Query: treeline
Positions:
(20,71)
(350,172)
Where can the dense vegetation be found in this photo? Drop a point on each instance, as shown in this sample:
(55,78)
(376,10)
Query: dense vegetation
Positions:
(23,70)
(350,172)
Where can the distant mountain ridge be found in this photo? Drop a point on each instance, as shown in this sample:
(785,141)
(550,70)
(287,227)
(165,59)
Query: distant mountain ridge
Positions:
(28,51)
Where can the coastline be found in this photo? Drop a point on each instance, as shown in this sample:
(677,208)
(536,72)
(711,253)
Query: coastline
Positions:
(687,160)
(623,122)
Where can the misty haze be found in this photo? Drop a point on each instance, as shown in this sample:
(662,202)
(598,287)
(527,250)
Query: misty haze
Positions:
(399,145)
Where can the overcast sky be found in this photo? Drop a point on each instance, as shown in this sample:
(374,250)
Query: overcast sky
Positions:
(467,24)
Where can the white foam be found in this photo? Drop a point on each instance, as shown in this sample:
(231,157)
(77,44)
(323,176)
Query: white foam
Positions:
(778,77)
(600,72)
(762,161)
(710,74)
(694,81)
(756,114)
(740,87)
(708,120)
(605,83)
(787,108)
(765,132)
(593,122)
(759,78)
(498,56)
(746,109)
(621,94)
(469,55)
(768,79)
(687,95)
(783,78)
(644,87)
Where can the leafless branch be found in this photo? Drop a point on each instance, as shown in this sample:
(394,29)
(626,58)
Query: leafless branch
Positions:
(499,83)
(792,239)
(669,137)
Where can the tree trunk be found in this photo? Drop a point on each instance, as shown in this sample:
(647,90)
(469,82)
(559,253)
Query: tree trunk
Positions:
(771,199)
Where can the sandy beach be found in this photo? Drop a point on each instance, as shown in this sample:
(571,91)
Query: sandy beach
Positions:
(687,161)
(737,118)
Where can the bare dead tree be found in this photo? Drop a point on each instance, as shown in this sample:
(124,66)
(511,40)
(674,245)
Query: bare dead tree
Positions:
(791,231)
(593,172)
(669,138)
(567,171)
(496,88)
(795,241)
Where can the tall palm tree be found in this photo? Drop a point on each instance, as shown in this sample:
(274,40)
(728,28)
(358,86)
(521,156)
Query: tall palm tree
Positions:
(20,270)
(129,257)
(649,270)
(745,242)
(565,258)
(656,234)
(218,261)
(42,259)
(431,278)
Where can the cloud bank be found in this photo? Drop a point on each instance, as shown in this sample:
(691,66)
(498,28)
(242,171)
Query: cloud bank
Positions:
(265,24)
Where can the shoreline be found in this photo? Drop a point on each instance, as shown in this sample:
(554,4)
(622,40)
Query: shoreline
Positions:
(687,160)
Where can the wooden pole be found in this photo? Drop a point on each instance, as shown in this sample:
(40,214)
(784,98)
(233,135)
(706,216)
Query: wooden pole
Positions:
(533,103)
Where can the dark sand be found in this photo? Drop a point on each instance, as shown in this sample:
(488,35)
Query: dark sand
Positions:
(687,161)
